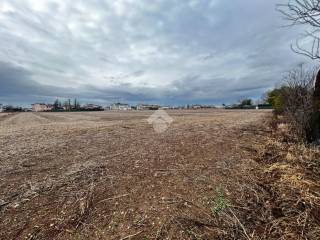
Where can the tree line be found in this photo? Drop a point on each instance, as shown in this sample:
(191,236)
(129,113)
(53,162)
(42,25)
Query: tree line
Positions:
(66,105)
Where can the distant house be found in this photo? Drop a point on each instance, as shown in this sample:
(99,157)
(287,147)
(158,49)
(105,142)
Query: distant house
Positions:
(92,107)
(120,106)
(147,107)
(41,107)
(1,108)
(196,106)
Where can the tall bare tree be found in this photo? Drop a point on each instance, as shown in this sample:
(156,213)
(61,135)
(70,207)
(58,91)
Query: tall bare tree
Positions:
(304,12)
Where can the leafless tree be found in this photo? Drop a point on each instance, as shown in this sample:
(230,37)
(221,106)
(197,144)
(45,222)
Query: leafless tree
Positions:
(304,12)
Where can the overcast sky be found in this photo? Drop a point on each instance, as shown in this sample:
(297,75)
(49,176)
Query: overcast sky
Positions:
(152,51)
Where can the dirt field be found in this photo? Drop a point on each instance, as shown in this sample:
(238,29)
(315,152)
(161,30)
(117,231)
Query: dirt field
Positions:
(109,175)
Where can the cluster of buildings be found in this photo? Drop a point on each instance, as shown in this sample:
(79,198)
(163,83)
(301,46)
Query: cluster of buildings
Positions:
(9,108)
(67,106)
(142,107)
(124,107)
(44,107)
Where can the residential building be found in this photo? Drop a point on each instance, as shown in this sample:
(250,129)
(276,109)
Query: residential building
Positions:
(147,107)
(92,107)
(41,107)
(120,106)
(196,106)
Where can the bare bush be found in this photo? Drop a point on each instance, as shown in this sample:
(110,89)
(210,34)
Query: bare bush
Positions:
(298,101)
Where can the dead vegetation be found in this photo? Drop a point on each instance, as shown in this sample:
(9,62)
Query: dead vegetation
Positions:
(212,175)
(281,197)
(277,199)
(291,175)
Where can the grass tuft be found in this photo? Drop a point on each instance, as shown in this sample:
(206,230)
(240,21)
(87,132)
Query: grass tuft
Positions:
(219,202)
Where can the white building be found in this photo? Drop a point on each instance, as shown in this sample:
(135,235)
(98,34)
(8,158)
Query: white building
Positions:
(1,108)
(196,106)
(120,107)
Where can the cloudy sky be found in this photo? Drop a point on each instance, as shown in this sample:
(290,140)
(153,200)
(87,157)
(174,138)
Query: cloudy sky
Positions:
(164,51)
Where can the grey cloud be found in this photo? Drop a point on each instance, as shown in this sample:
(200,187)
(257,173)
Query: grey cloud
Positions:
(161,51)
(17,83)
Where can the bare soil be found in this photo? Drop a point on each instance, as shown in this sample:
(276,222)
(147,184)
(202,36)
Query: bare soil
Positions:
(109,175)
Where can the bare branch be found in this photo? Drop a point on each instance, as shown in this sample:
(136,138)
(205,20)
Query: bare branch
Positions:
(304,12)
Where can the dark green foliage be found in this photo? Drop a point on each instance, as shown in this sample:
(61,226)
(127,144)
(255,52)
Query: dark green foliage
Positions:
(57,105)
(276,98)
(246,102)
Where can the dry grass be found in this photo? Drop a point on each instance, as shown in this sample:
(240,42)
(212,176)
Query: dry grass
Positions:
(276,199)
(287,200)
(296,173)
(212,175)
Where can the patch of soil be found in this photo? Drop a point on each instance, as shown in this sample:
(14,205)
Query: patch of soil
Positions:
(111,176)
